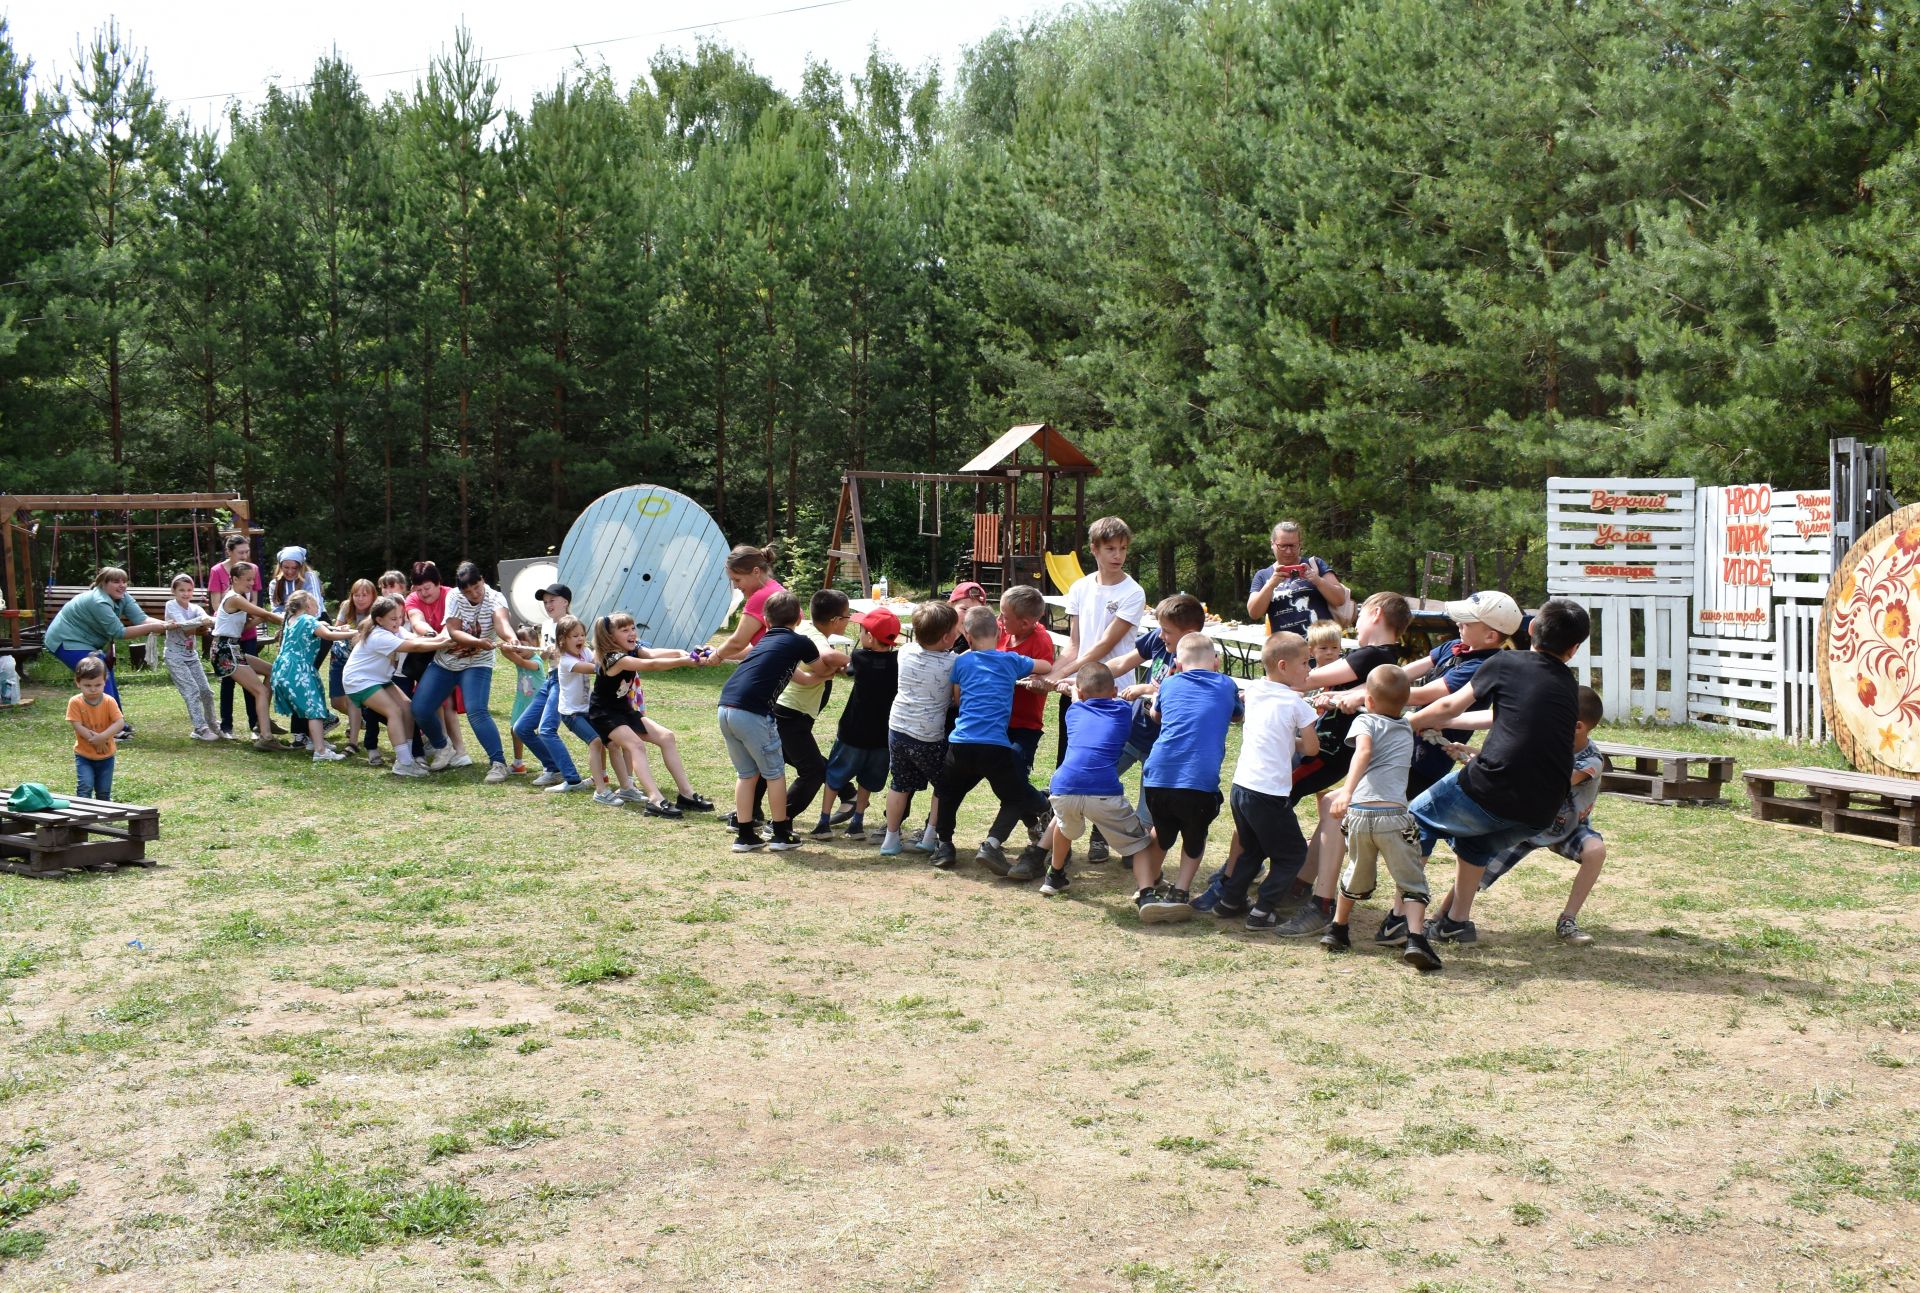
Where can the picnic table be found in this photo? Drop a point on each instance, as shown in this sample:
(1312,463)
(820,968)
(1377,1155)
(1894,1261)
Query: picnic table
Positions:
(1664,776)
(1839,801)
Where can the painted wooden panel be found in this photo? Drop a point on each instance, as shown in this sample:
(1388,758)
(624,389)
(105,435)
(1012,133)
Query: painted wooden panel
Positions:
(1733,565)
(1620,537)
(1636,657)
(654,554)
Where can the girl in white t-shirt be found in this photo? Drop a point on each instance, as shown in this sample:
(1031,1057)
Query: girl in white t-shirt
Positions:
(368,677)
(574,667)
(185,622)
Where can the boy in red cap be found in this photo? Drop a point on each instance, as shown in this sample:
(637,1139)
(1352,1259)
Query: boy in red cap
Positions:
(859,754)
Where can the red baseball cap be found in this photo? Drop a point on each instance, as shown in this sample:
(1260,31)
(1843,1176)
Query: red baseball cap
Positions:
(882,623)
(969,589)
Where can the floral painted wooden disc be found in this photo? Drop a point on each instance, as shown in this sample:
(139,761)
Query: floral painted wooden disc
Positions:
(1870,649)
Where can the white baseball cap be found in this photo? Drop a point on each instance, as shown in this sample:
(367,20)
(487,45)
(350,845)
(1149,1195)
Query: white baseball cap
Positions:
(1495,610)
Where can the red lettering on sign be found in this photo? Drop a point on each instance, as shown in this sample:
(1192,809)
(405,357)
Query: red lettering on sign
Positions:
(1603,501)
(1607,534)
(1746,572)
(1748,536)
(1618,572)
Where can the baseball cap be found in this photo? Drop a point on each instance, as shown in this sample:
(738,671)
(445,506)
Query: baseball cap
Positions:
(1495,610)
(556,590)
(967,589)
(882,623)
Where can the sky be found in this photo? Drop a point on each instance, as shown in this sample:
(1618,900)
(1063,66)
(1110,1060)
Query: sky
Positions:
(200,52)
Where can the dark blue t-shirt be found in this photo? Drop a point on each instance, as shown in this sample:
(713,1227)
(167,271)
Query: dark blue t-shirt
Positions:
(1159,663)
(985,680)
(764,674)
(1096,733)
(1196,706)
(1296,602)
(1456,667)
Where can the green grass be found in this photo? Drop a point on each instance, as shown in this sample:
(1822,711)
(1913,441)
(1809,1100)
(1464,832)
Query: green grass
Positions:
(446,1035)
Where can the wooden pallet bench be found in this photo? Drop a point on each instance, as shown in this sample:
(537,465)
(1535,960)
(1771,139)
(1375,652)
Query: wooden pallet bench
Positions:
(86,833)
(1664,776)
(1842,803)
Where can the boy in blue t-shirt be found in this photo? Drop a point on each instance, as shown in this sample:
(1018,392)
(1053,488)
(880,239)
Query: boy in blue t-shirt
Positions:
(979,748)
(1181,783)
(1086,786)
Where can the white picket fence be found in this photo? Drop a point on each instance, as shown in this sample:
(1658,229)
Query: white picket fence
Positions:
(1636,656)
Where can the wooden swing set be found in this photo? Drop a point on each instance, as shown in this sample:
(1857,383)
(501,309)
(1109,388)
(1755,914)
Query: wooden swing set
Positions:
(1010,545)
(32,601)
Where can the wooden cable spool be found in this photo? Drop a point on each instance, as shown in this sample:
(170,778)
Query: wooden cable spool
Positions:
(1869,651)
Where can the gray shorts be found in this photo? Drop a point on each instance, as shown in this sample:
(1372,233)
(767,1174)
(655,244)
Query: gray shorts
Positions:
(1384,834)
(1112,814)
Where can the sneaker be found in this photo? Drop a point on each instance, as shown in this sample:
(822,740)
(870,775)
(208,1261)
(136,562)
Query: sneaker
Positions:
(1031,866)
(518,767)
(747,841)
(943,858)
(660,808)
(266,743)
(891,849)
(732,822)
(842,817)
(1569,932)
(461,760)
(206,734)
(1392,931)
(1169,906)
(782,841)
(1259,920)
(994,858)
(694,803)
(439,758)
(329,756)
(563,786)
(1420,956)
(498,772)
(126,732)
(410,770)
(1097,851)
(608,797)
(1141,897)
(1453,931)
(375,759)
(546,779)
(856,832)
(822,829)
(1338,938)
(1055,883)
(1310,919)
(227,734)
(630,796)
(300,741)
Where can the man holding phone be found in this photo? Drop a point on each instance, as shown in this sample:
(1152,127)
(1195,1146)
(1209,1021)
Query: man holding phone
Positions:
(1295,591)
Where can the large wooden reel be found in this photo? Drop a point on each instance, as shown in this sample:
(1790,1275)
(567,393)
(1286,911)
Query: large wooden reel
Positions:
(1869,653)
(654,554)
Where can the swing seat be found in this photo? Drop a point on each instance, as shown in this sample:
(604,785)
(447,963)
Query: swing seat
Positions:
(1064,569)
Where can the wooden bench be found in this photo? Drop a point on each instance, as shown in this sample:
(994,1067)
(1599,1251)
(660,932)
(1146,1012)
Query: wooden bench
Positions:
(1664,776)
(1839,802)
(58,839)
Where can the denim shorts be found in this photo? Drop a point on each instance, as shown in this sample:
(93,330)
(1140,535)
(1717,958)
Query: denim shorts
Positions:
(850,764)
(753,743)
(1446,811)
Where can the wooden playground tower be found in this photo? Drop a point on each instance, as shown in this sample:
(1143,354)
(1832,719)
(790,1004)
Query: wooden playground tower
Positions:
(1010,545)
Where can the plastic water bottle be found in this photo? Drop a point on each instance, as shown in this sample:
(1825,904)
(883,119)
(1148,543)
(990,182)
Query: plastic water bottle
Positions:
(880,590)
(9,681)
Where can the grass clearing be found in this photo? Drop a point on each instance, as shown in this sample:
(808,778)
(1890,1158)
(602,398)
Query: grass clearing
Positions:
(419,1036)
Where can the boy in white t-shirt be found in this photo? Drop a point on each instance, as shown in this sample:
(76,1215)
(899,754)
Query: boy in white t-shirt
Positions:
(1279,724)
(1104,611)
(917,724)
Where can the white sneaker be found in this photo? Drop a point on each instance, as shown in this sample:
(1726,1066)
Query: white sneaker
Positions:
(206,734)
(461,760)
(546,779)
(497,773)
(409,769)
(440,759)
(329,756)
(630,796)
(607,797)
(563,786)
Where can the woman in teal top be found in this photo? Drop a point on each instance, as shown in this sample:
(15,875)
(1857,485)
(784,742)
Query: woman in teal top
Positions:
(96,619)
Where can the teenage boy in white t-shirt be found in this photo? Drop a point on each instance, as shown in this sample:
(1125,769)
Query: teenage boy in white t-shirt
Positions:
(1104,611)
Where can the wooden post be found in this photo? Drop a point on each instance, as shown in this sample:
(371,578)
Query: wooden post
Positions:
(859,537)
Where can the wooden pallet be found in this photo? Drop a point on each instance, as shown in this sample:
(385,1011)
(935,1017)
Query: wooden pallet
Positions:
(1664,776)
(86,833)
(1840,803)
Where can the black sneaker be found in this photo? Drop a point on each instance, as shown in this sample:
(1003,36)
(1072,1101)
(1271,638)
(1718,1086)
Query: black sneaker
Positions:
(1097,851)
(1420,955)
(748,841)
(1169,906)
(1392,931)
(1259,920)
(732,821)
(821,829)
(694,803)
(1447,930)
(1141,897)
(993,858)
(1055,883)
(1310,919)
(943,858)
(856,832)
(782,840)
(1228,909)
(660,808)
(1338,938)
(1032,864)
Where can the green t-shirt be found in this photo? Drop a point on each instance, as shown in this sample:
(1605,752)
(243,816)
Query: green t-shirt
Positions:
(807,700)
(92,620)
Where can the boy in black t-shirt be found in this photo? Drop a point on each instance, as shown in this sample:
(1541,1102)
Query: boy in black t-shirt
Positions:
(746,719)
(859,755)
(1516,784)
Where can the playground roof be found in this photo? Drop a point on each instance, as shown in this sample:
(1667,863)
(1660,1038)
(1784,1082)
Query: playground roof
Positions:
(1053,447)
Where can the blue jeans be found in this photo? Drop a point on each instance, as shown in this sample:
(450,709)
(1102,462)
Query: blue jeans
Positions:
(93,778)
(476,688)
(538,727)
(753,743)
(1446,811)
(71,656)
